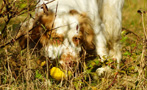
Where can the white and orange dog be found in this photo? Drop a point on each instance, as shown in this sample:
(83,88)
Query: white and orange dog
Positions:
(69,25)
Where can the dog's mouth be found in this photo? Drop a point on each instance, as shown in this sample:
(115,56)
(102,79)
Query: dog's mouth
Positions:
(68,61)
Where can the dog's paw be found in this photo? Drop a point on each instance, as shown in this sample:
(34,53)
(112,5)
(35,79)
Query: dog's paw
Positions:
(101,71)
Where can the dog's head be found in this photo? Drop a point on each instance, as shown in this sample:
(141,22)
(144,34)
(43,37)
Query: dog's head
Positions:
(63,35)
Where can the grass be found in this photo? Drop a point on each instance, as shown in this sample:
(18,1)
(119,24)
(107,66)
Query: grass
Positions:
(15,75)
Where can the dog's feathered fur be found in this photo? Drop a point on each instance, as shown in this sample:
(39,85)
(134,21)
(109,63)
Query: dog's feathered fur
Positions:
(71,24)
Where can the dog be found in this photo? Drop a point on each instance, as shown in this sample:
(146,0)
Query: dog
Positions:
(64,27)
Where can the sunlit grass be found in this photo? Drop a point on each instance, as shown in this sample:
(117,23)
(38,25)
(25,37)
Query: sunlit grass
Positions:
(13,61)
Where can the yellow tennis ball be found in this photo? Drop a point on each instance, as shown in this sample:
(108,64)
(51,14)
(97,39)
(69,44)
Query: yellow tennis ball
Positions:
(56,73)
(42,63)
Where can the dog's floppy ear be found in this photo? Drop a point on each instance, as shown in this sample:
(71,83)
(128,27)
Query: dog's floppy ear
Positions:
(44,26)
(88,36)
(38,29)
(88,32)
(86,29)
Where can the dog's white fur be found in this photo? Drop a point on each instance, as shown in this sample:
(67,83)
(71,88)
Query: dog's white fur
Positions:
(106,22)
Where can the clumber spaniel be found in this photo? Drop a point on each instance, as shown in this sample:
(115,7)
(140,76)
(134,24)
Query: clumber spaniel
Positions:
(69,25)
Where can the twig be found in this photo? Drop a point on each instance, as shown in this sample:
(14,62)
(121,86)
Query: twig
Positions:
(2,7)
(142,14)
(8,16)
(44,3)
(130,31)
(138,38)
(54,19)
(144,41)
(112,81)
(10,12)
(144,52)
(15,39)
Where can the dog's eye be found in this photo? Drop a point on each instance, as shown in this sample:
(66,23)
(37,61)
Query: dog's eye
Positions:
(76,40)
(57,40)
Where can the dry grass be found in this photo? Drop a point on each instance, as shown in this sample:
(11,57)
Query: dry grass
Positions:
(15,74)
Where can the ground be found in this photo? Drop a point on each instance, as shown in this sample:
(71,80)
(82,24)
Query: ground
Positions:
(17,73)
